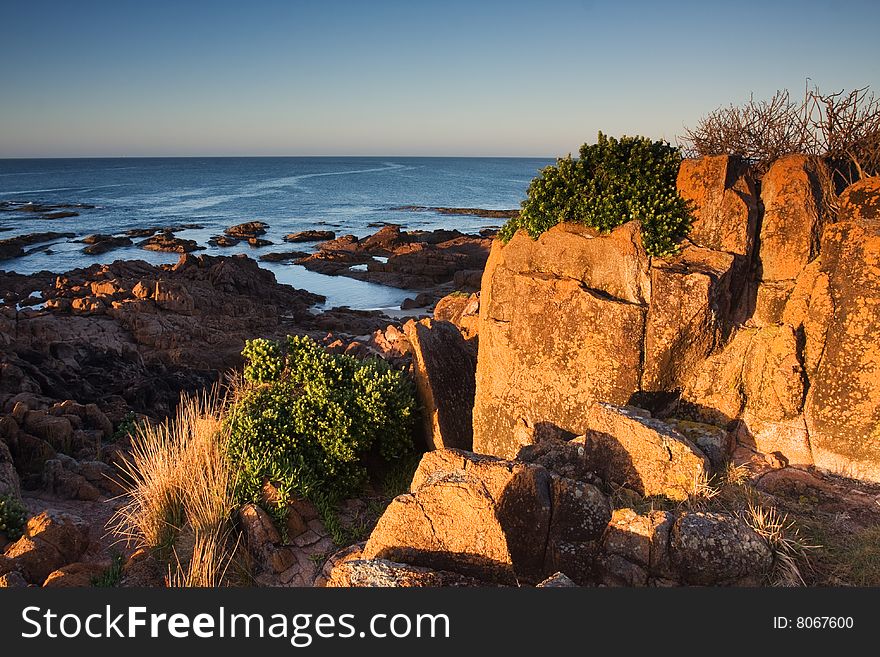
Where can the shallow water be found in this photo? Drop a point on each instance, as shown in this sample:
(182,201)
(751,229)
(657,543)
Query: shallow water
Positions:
(290,194)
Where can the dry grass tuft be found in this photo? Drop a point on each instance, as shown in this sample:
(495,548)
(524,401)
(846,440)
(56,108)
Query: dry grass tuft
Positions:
(790,551)
(179,479)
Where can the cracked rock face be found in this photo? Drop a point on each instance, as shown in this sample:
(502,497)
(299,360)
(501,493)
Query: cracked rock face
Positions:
(765,324)
(495,520)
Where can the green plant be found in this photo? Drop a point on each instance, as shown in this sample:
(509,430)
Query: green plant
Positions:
(12,517)
(110,577)
(612,182)
(303,419)
(128,427)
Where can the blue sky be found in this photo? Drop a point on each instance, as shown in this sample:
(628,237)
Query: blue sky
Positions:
(252,77)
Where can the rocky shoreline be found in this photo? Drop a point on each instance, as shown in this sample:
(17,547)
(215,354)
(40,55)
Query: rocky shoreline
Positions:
(599,460)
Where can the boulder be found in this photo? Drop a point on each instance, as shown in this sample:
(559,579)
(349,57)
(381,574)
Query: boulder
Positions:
(726,205)
(843,404)
(444,369)
(688,319)
(98,244)
(51,540)
(76,575)
(9,484)
(505,506)
(558,317)
(66,483)
(462,310)
(794,192)
(169,243)
(384,573)
(56,431)
(310,236)
(556,581)
(639,539)
(173,297)
(716,549)
(580,515)
(646,455)
(264,541)
(12,580)
(247,230)
(716,443)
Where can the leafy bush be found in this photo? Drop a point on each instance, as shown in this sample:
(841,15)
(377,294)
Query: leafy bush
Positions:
(304,419)
(612,182)
(12,517)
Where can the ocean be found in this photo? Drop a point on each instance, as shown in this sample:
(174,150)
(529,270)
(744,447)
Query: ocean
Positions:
(343,194)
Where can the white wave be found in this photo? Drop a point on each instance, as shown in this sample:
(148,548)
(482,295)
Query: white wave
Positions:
(292,180)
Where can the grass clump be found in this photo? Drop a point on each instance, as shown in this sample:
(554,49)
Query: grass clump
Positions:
(612,182)
(180,491)
(13,517)
(304,419)
(790,550)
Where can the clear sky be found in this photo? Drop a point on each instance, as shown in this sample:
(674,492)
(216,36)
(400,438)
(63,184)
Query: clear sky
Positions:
(375,77)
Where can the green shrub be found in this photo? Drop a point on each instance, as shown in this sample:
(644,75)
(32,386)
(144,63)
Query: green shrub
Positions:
(305,418)
(12,517)
(612,182)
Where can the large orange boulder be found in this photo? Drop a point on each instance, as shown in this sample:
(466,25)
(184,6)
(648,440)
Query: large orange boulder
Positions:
(795,193)
(560,320)
(692,295)
(624,447)
(843,404)
(726,205)
(444,369)
(51,540)
(519,519)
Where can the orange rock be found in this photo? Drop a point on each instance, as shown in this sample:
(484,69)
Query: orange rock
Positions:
(726,212)
(795,212)
(843,404)
(463,311)
(504,505)
(75,575)
(51,540)
(444,368)
(550,344)
(691,299)
(641,453)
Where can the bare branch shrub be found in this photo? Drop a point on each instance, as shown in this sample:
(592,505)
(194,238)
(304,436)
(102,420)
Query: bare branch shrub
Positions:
(841,128)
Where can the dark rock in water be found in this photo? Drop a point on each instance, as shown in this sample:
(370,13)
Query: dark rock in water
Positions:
(152,230)
(168,242)
(143,232)
(256,241)
(107,243)
(223,241)
(283,256)
(421,301)
(45,211)
(247,230)
(310,236)
(13,247)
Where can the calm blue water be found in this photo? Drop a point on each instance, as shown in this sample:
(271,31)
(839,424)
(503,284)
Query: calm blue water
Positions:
(290,194)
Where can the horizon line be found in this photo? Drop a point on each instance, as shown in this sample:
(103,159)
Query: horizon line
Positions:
(190,157)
